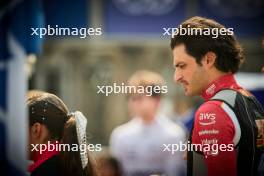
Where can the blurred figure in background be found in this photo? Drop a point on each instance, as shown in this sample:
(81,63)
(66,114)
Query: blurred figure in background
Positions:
(139,143)
(184,112)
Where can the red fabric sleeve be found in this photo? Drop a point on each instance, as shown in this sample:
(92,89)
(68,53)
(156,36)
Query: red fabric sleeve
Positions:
(214,129)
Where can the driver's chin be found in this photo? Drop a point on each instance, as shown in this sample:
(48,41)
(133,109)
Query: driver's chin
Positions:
(187,91)
(190,92)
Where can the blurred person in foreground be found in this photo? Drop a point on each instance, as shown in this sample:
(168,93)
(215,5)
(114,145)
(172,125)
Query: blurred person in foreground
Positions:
(52,124)
(108,166)
(139,144)
(230,122)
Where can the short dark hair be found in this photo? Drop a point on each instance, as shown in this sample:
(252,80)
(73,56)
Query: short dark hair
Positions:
(229,54)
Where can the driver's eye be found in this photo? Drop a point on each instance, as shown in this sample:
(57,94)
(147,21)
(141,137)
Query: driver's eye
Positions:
(182,66)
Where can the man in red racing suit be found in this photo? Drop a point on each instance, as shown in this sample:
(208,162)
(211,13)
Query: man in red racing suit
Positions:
(204,65)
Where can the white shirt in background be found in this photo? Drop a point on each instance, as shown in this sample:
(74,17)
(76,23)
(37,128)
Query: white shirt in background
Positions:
(140,147)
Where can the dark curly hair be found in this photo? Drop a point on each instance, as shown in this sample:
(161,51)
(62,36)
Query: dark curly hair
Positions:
(229,54)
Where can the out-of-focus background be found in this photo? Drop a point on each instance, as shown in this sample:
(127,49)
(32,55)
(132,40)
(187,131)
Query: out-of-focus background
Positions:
(132,39)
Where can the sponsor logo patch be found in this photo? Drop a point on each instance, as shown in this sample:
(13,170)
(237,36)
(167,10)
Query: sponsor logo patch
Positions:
(207,119)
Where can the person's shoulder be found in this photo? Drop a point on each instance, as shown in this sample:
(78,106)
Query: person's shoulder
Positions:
(209,106)
(173,128)
(50,167)
(124,129)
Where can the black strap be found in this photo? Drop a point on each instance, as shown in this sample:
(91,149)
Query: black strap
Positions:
(190,156)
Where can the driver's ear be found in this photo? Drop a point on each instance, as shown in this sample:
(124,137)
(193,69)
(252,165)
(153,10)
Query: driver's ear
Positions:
(35,130)
(209,60)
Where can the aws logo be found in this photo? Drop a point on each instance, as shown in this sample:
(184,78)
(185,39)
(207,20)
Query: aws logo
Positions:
(207,119)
